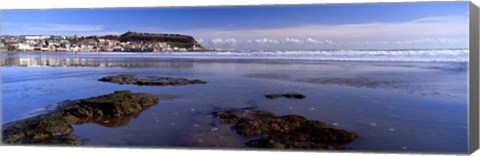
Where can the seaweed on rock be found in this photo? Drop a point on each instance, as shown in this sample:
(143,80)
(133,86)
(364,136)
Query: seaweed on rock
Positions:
(162,81)
(55,127)
(286,95)
(284,132)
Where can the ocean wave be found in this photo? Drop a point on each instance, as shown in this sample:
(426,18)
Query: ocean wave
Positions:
(449,55)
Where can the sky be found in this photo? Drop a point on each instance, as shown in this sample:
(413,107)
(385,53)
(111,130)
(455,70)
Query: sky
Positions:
(424,25)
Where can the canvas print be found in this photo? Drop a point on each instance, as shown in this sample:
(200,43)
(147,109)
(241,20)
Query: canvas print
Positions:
(373,77)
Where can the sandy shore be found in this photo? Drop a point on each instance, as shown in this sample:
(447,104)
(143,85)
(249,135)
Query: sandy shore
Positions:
(392,106)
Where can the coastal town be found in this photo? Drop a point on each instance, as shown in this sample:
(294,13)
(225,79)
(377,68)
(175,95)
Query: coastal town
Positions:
(127,42)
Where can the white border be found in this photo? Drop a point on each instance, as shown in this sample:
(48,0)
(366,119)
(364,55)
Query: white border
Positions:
(74,151)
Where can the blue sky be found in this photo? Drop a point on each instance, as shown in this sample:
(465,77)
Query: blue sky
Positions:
(290,27)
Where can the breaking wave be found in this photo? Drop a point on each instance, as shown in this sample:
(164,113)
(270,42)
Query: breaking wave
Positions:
(449,55)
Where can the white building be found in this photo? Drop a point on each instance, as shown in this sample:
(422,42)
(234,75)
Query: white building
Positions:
(37,37)
(23,47)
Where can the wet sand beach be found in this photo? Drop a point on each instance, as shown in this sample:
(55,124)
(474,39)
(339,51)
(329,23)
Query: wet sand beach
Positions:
(391,106)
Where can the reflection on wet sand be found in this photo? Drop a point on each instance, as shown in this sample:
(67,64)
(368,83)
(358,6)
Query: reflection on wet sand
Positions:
(344,95)
(275,76)
(355,82)
(112,122)
(374,84)
(91,62)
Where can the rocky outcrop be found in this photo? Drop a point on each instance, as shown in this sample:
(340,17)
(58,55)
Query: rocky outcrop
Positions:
(120,103)
(175,40)
(162,81)
(142,42)
(286,95)
(55,127)
(284,132)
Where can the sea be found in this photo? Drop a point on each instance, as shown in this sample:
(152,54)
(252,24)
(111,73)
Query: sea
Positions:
(395,100)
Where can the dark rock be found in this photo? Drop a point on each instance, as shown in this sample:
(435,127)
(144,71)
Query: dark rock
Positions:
(38,129)
(55,127)
(284,132)
(67,139)
(287,95)
(162,81)
(120,103)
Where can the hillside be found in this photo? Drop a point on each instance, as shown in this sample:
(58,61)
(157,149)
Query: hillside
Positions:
(175,40)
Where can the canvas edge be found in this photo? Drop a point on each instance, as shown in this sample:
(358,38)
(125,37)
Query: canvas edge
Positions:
(474,70)
(473,67)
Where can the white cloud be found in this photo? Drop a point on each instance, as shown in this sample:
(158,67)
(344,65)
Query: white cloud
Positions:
(231,41)
(292,40)
(441,19)
(217,41)
(328,42)
(414,41)
(223,41)
(430,41)
(311,40)
(313,44)
(266,40)
(432,27)
(431,32)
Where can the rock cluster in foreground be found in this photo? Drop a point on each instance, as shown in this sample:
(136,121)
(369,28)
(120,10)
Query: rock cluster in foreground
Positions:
(162,81)
(55,127)
(284,132)
(286,95)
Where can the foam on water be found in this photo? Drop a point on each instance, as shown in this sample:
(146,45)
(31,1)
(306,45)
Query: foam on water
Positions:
(446,55)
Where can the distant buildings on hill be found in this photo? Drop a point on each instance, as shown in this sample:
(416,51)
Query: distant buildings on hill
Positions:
(93,44)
